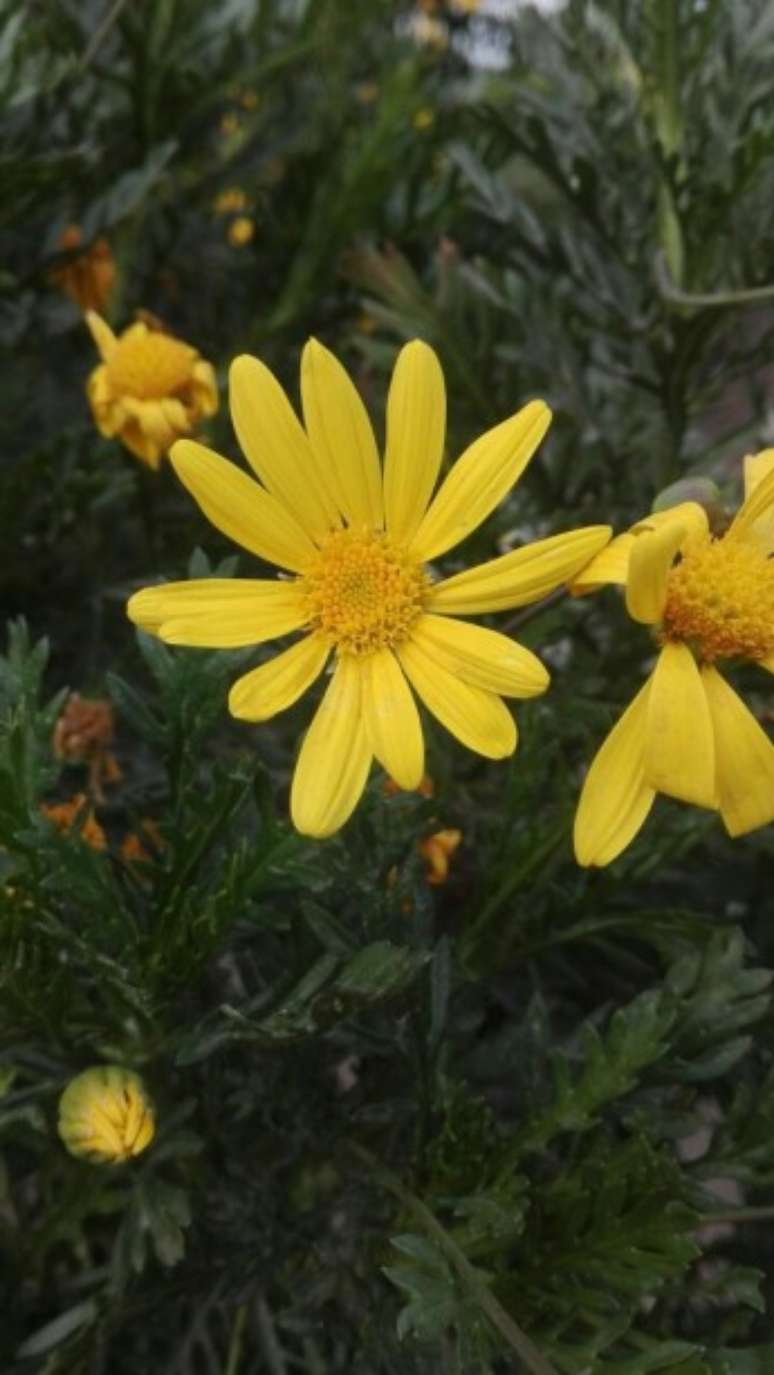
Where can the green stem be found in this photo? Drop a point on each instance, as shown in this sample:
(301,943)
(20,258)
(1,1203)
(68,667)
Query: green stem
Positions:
(706,300)
(469,1277)
(738,1215)
(236,1342)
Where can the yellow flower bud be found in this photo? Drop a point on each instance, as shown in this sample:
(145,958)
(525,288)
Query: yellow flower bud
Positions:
(105,1115)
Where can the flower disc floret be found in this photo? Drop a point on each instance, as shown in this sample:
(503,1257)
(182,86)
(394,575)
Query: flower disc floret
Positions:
(720,600)
(362,593)
(148,364)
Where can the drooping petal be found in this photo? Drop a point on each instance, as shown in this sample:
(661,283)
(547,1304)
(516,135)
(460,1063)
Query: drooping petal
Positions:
(240,507)
(391,718)
(335,757)
(101,333)
(218,613)
(615,799)
(650,560)
(341,436)
(274,443)
(277,684)
(521,577)
(481,657)
(680,747)
(610,565)
(479,480)
(689,514)
(479,719)
(416,426)
(745,758)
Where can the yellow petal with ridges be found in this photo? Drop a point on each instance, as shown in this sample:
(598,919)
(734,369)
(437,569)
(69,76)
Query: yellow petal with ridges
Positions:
(240,508)
(680,747)
(479,719)
(521,577)
(391,718)
(744,759)
(753,521)
(341,436)
(218,613)
(276,447)
(335,757)
(650,560)
(484,658)
(416,427)
(479,480)
(277,684)
(611,564)
(615,799)
(756,468)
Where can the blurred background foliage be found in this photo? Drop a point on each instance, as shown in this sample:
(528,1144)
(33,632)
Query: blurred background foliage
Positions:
(520,1120)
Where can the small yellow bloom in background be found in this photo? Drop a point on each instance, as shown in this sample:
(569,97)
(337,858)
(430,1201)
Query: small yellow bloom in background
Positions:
(230,201)
(66,816)
(366,92)
(249,100)
(230,124)
(89,278)
(687,734)
(424,119)
(437,851)
(105,1115)
(149,388)
(241,231)
(356,539)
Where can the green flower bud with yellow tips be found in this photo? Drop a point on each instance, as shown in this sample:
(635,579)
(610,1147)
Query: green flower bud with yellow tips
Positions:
(105,1115)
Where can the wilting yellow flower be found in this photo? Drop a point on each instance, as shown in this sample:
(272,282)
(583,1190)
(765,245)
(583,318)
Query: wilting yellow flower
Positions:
(437,851)
(88,279)
(230,201)
(149,388)
(66,816)
(687,734)
(105,1115)
(241,231)
(356,542)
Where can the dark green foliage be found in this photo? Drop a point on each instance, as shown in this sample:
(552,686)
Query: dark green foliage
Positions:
(522,1121)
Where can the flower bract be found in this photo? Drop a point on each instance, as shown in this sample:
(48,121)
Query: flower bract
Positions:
(105,1115)
(355,540)
(149,389)
(687,734)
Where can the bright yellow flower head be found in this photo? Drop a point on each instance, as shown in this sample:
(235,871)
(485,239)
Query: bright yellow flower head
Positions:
(149,388)
(687,734)
(357,540)
(241,231)
(105,1115)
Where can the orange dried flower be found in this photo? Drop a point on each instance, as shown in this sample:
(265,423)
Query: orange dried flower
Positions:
(425,788)
(132,849)
(437,851)
(83,734)
(89,278)
(66,816)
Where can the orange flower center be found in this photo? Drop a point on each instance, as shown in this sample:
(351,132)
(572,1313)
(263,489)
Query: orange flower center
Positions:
(362,593)
(148,365)
(720,598)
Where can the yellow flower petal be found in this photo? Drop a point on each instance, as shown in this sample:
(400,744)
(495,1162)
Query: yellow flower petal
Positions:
(610,565)
(101,333)
(218,613)
(335,757)
(615,799)
(341,436)
(745,759)
(391,719)
(274,443)
(755,518)
(276,685)
(481,657)
(416,426)
(680,748)
(521,577)
(479,719)
(479,480)
(689,514)
(240,508)
(756,468)
(650,560)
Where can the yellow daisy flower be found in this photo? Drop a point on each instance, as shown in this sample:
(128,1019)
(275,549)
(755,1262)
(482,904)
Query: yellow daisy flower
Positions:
(356,542)
(687,734)
(105,1115)
(149,388)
